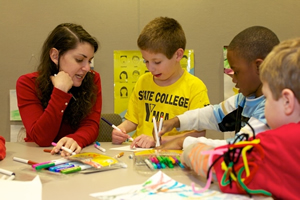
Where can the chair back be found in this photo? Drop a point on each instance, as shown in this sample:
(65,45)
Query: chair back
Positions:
(105,129)
(21,134)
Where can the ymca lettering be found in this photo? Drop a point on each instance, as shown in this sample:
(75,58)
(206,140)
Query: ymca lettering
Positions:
(150,112)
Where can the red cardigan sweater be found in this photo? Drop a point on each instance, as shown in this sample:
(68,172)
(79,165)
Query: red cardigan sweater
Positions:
(44,126)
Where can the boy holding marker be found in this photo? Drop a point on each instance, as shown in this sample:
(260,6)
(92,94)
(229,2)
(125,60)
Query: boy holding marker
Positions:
(245,54)
(269,164)
(167,91)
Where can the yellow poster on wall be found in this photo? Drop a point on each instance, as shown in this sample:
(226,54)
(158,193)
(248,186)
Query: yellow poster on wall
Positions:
(128,67)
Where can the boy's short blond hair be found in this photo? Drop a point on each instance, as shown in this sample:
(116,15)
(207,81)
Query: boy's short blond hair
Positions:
(162,35)
(281,68)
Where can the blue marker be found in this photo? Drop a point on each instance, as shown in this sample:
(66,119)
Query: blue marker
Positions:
(58,168)
(158,166)
(163,165)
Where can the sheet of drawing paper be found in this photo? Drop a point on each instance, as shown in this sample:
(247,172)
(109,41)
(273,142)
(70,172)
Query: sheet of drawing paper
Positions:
(127,148)
(21,189)
(162,187)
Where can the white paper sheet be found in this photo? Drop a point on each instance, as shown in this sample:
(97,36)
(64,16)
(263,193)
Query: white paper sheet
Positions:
(127,148)
(162,187)
(21,189)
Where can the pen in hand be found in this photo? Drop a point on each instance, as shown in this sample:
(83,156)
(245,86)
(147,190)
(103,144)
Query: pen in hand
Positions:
(115,127)
(160,126)
(156,133)
(65,149)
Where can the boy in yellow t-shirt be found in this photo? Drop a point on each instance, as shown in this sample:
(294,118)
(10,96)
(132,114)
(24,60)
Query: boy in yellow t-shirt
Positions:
(168,90)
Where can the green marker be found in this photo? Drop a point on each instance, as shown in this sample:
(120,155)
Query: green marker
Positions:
(76,169)
(39,167)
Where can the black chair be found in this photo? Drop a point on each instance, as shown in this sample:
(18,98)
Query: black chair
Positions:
(105,129)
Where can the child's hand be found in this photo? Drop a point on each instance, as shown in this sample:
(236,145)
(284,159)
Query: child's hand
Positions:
(143,141)
(176,143)
(67,142)
(119,137)
(167,126)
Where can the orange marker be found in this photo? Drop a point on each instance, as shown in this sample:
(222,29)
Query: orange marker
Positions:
(47,150)
(30,162)
(119,155)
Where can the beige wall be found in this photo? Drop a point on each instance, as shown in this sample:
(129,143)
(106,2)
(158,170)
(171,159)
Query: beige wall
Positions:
(208,24)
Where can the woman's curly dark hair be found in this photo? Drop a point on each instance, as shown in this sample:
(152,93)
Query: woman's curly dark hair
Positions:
(64,38)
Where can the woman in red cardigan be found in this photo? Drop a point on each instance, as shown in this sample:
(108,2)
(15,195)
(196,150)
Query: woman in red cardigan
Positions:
(61,102)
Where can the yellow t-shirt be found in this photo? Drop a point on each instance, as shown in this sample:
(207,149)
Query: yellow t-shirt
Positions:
(148,100)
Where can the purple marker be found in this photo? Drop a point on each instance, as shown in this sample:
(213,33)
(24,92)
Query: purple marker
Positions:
(115,127)
(60,167)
